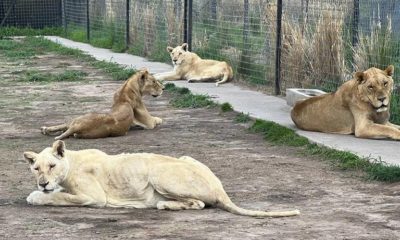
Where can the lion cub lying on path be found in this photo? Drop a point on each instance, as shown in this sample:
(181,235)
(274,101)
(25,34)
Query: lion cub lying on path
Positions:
(188,66)
(360,106)
(128,109)
(142,180)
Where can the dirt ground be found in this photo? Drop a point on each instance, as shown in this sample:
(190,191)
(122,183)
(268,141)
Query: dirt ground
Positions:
(257,175)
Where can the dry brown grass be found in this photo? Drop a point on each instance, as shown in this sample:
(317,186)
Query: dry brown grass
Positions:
(375,48)
(149,29)
(174,23)
(312,53)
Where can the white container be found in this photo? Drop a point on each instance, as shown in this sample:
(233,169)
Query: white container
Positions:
(296,94)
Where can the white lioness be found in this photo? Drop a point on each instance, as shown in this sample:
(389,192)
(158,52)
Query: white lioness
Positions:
(360,106)
(189,66)
(128,109)
(142,180)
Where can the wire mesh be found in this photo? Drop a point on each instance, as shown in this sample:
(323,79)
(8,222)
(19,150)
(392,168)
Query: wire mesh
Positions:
(30,13)
(75,19)
(154,26)
(238,32)
(108,19)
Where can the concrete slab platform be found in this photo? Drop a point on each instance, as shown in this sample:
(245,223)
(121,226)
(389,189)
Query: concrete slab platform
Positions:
(257,104)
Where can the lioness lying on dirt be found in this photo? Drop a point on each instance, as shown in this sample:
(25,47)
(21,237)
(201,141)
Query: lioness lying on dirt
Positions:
(189,66)
(360,106)
(142,180)
(128,109)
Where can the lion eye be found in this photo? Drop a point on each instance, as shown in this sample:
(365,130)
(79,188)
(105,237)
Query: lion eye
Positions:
(52,166)
(370,87)
(36,169)
(180,53)
(385,84)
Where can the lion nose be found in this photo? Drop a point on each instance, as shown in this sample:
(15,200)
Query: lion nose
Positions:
(175,60)
(43,185)
(381,99)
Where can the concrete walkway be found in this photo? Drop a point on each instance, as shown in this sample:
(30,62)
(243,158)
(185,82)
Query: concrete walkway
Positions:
(254,103)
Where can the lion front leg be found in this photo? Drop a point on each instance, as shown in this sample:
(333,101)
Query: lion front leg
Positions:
(62,199)
(145,119)
(392,125)
(168,76)
(377,131)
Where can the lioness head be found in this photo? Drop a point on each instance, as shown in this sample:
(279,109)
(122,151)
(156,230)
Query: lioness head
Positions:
(49,166)
(375,87)
(148,84)
(178,54)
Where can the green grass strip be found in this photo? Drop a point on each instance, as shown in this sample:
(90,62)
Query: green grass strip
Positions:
(32,46)
(183,98)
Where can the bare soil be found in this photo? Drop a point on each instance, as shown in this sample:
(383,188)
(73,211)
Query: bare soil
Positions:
(256,174)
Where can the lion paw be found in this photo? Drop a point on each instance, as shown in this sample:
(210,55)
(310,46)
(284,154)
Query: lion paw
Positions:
(43,130)
(158,120)
(35,198)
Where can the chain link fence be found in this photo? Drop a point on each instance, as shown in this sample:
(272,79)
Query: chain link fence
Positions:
(30,13)
(278,44)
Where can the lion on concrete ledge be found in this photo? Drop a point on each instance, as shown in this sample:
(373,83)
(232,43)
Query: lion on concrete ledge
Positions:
(189,66)
(128,109)
(360,106)
(92,178)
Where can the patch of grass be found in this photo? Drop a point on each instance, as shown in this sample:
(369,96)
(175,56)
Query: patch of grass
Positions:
(192,101)
(76,34)
(31,46)
(374,169)
(67,75)
(278,134)
(183,98)
(226,107)
(115,70)
(16,31)
(242,118)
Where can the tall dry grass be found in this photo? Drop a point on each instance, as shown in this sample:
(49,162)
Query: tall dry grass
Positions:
(376,48)
(174,21)
(312,52)
(149,29)
(326,51)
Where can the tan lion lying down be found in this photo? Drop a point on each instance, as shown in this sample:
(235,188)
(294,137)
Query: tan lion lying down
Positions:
(128,109)
(360,106)
(189,66)
(142,180)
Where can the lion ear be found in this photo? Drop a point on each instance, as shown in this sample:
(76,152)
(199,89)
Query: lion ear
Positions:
(389,70)
(30,157)
(169,49)
(185,46)
(59,148)
(359,76)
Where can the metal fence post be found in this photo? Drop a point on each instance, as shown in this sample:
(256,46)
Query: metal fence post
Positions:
(278,49)
(63,16)
(356,16)
(187,23)
(87,21)
(127,22)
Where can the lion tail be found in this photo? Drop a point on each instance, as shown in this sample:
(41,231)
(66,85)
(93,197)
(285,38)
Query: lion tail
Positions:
(228,75)
(229,206)
(66,134)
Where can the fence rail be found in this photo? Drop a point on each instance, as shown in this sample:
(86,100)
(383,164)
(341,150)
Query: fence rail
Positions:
(274,43)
